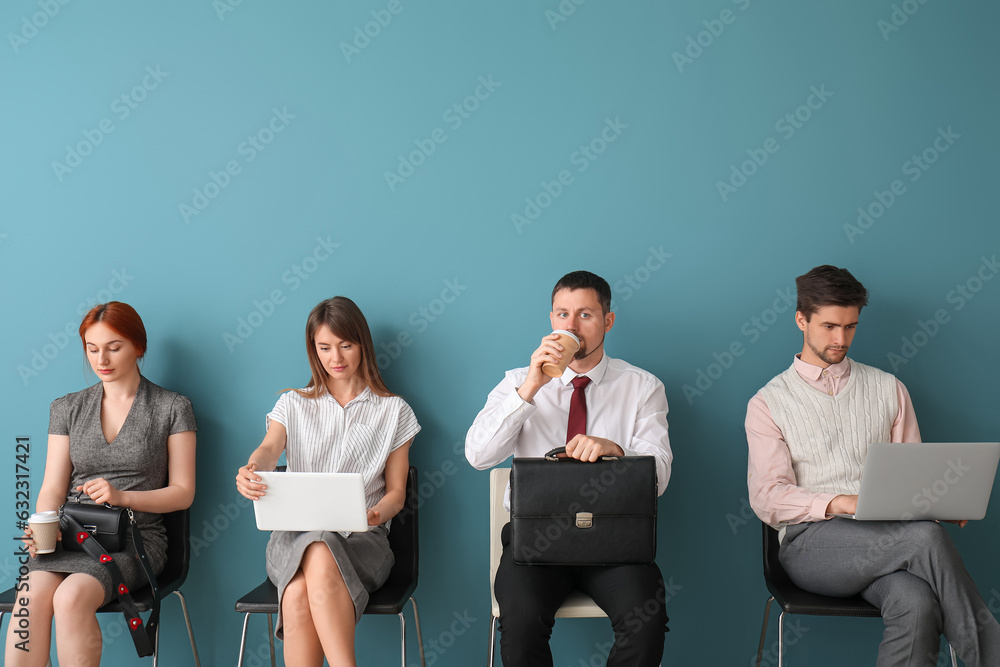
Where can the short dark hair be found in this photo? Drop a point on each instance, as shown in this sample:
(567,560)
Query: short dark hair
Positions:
(586,280)
(828,286)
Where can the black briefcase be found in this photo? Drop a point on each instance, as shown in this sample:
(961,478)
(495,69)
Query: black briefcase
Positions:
(569,512)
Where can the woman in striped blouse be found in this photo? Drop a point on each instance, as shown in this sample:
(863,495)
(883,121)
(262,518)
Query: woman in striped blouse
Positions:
(344,420)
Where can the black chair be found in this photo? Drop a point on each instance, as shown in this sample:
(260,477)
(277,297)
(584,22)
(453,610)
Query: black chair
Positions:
(794,600)
(389,599)
(178,526)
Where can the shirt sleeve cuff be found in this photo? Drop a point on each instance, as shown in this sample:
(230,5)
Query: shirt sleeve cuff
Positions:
(515,405)
(819,505)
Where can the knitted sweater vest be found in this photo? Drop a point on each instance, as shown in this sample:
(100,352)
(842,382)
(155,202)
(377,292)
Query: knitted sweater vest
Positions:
(828,436)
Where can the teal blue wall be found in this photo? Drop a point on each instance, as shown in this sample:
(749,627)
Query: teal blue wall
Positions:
(168,205)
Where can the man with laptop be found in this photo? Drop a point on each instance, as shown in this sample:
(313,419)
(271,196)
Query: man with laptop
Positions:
(599,406)
(808,431)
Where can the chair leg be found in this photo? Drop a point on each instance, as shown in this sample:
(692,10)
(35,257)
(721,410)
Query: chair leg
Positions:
(402,636)
(781,640)
(493,639)
(420,636)
(954,660)
(763,629)
(270,636)
(187,622)
(156,646)
(243,639)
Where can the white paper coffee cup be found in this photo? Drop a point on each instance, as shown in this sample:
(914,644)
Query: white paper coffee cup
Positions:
(570,344)
(44,531)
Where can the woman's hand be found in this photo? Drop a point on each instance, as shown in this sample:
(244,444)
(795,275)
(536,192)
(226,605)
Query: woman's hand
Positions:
(101,491)
(29,541)
(248,483)
(374,517)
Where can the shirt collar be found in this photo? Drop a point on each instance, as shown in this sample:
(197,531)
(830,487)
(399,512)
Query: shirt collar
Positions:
(814,373)
(596,374)
(365,395)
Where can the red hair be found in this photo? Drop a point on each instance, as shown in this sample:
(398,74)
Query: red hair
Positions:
(122,319)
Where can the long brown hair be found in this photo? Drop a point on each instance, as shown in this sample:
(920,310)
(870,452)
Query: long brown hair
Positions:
(345,320)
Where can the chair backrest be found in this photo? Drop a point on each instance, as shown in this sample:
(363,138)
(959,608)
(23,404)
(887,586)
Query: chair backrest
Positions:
(774,573)
(178,525)
(404,535)
(498,517)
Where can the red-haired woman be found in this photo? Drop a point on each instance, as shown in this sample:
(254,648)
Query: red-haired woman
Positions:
(123,441)
(345,420)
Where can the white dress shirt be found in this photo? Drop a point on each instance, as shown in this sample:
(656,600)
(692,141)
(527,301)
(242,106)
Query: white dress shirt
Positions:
(625,404)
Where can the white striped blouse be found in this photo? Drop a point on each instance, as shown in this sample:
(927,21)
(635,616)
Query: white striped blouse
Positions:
(358,437)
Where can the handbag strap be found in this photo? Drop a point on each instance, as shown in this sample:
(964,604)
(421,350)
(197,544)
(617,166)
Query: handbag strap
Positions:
(144,637)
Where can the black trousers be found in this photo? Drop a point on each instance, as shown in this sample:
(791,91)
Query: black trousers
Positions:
(633,597)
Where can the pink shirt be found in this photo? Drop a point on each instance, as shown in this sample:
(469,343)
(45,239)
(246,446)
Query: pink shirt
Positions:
(774,495)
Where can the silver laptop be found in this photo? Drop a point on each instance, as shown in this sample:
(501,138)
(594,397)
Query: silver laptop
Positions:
(333,501)
(917,481)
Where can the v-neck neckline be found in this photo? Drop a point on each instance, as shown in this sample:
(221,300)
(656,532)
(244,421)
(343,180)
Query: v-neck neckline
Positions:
(100,419)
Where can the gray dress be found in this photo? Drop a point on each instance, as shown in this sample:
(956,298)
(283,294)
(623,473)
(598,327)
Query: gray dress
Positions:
(322,436)
(135,461)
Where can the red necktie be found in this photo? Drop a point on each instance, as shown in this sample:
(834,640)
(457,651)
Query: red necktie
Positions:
(578,408)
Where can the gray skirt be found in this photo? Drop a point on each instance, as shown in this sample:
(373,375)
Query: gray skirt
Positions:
(71,562)
(364,559)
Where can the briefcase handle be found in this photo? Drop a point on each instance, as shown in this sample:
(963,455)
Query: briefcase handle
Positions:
(552,455)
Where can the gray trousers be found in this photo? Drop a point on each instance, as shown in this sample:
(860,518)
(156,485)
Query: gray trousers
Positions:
(909,570)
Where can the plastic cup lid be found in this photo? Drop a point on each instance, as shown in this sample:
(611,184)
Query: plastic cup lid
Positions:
(568,333)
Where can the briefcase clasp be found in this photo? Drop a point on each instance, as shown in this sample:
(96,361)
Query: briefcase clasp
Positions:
(584,519)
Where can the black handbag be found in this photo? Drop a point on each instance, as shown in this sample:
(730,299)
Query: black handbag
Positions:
(569,512)
(106,524)
(78,536)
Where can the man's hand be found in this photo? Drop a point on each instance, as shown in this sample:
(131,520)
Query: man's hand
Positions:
(589,448)
(549,352)
(843,505)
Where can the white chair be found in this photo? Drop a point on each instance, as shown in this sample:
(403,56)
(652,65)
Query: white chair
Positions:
(577,605)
